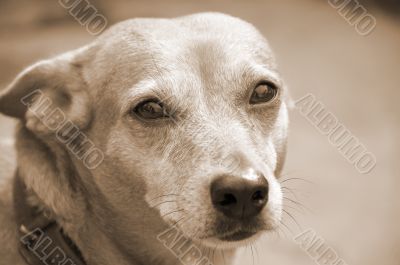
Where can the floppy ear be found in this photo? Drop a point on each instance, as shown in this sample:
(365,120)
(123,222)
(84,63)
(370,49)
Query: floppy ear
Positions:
(47,94)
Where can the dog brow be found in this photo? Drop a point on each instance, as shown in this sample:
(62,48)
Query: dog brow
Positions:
(261,71)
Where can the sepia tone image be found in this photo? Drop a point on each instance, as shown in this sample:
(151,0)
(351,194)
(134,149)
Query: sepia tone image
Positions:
(184,132)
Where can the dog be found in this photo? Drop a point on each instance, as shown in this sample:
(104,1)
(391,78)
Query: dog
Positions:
(157,143)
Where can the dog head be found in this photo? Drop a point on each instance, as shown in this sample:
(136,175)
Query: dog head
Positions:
(188,113)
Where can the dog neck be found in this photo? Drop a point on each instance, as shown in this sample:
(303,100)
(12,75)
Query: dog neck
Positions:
(101,233)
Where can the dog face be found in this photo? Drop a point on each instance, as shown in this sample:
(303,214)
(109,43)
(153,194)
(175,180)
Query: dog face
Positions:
(201,121)
(189,114)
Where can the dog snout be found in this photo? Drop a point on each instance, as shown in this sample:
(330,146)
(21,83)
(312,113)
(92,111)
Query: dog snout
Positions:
(239,197)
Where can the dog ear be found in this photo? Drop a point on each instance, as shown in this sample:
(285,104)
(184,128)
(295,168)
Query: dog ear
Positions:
(47,94)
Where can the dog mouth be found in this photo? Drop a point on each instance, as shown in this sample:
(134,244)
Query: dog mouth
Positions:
(237,233)
(237,236)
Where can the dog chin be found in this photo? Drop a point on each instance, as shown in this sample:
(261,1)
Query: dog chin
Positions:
(233,240)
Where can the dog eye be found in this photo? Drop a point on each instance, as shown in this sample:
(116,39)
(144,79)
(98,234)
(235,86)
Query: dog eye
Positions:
(151,109)
(263,92)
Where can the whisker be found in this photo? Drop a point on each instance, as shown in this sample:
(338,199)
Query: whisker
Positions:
(287,227)
(294,208)
(287,173)
(291,192)
(276,235)
(165,195)
(208,253)
(258,256)
(301,179)
(301,229)
(252,254)
(296,192)
(195,234)
(179,210)
(185,221)
(283,232)
(178,221)
(213,253)
(298,203)
(160,203)
(202,250)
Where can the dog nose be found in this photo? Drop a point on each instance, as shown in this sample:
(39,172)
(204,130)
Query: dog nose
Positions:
(239,197)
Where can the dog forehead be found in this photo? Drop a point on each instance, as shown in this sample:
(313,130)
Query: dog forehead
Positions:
(198,24)
(176,39)
(204,47)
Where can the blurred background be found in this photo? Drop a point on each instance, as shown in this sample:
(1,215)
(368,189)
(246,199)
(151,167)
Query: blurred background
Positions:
(356,77)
